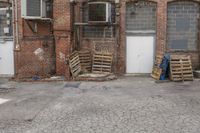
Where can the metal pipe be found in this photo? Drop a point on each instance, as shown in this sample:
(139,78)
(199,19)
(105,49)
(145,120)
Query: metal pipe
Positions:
(16,25)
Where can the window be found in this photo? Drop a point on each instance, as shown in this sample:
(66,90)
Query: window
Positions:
(182,25)
(97,31)
(5,22)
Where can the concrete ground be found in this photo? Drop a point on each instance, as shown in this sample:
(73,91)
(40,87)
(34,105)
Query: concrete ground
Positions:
(126,105)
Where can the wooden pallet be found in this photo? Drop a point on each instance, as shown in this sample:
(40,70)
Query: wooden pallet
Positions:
(159,59)
(181,68)
(102,62)
(74,64)
(156,73)
(85,60)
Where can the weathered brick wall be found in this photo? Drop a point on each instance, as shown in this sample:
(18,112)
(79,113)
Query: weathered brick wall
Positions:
(36,58)
(64,42)
(161,33)
(62,32)
(45,52)
(35,55)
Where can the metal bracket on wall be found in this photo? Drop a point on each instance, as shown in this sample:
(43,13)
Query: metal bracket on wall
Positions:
(32,27)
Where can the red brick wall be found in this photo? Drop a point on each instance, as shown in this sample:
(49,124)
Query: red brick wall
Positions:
(161,35)
(62,32)
(63,40)
(35,55)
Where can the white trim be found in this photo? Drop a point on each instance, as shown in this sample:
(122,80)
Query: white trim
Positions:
(141,31)
(6,75)
(5,8)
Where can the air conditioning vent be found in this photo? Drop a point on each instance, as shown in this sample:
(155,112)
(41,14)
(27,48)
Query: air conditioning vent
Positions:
(36,9)
(33,8)
(99,12)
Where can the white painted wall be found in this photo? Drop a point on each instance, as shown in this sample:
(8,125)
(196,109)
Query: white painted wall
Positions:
(6,58)
(140,54)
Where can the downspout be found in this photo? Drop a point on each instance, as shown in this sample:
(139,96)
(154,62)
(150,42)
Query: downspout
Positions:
(16,26)
(15,35)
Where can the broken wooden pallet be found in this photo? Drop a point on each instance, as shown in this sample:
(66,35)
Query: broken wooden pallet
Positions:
(85,60)
(102,62)
(181,68)
(74,64)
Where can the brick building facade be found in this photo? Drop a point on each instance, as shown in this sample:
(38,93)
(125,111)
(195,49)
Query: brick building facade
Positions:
(42,47)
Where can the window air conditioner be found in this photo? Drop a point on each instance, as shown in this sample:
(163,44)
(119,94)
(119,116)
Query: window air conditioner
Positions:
(36,9)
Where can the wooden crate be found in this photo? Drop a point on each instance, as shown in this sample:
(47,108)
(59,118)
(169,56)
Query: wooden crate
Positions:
(181,68)
(102,62)
(74,64)
(85,60)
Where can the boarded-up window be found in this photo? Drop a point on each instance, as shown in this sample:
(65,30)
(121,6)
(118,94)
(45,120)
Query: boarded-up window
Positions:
(182,25)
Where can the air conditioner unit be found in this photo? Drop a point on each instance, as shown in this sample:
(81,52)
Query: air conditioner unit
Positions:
(99,12)
(36,9)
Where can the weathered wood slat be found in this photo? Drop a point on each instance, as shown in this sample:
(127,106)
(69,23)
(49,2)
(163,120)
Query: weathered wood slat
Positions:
(181,68)
(74,64)
(85,60)
(102,62)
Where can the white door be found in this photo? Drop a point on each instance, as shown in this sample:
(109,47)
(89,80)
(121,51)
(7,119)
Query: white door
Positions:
(6,58)
(140,54)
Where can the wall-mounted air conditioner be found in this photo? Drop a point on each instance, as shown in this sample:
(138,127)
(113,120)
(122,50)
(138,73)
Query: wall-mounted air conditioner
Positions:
(36,9)
(99,12)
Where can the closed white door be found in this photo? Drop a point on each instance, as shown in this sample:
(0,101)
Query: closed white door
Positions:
(6,59)
(140,54)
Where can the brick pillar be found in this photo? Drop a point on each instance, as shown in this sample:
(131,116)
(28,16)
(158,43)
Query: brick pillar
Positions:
(62,33)
(161,26)
(121,48)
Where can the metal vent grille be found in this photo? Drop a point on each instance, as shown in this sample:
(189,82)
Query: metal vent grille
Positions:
(33,7)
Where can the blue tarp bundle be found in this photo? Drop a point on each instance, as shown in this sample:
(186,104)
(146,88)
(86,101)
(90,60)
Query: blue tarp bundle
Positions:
(165,67)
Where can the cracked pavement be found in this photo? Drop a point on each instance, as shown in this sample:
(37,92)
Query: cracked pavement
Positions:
(125,105)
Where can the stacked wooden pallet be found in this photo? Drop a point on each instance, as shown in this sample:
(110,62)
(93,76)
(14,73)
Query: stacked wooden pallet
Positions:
(74,64)
(181,68)
(85,60)
(102,62)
